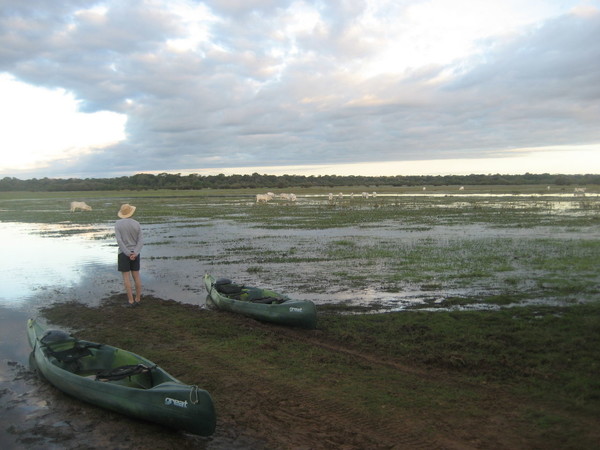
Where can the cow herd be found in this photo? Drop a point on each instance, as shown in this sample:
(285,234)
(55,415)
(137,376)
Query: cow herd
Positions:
(264,198)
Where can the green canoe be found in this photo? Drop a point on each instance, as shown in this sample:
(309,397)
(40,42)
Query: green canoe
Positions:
(120,381)
(261,304)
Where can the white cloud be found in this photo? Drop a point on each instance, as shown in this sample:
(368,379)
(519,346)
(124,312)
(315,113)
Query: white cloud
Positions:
(195,20)
(564,160)
(42,125)
(290,82)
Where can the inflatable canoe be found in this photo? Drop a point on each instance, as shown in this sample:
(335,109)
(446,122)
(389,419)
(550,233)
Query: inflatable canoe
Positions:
(119,380)
(261,304)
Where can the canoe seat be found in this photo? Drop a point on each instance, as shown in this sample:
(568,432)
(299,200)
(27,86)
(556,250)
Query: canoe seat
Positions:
(225,286)
(73,354)
(245,293)
(118,373)
(257,295)
(56,337)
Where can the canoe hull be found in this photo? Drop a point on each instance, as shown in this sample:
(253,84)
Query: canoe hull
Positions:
(167,401)
(298,313)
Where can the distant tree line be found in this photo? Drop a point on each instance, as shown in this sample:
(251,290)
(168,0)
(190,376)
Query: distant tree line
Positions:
(145,181)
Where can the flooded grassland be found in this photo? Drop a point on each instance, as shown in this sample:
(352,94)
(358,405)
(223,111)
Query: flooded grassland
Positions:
(389,252)
(488,249)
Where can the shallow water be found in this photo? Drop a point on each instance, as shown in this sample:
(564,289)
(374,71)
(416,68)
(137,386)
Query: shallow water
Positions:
(38,260)
(50,263)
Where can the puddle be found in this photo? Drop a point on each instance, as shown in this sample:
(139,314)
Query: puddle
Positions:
(39,260)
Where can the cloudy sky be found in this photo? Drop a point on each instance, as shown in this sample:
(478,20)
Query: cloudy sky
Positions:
(119,87)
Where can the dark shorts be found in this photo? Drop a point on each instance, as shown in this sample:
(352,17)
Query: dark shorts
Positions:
(127,265)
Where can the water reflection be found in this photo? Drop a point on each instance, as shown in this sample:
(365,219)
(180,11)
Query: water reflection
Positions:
(39,257)
(470,195)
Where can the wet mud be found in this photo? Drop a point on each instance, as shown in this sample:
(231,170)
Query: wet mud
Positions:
(35,415)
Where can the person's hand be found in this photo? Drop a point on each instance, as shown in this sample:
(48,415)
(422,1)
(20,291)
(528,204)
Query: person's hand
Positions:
(132,257)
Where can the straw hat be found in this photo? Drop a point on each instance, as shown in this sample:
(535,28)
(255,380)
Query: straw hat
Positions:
(126,211)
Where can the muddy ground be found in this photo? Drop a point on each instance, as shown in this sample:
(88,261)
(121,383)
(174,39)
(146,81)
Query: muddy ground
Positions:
(34,415)
(256,415)
(256,411)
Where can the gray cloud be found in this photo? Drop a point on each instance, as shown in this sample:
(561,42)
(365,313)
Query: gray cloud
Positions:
(250,94)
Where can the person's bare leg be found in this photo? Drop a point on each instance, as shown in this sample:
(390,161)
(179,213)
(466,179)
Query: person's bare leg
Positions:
(127,282)
(138,285)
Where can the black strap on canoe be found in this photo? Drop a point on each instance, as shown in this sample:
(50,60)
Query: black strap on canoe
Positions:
(268,300)
(118,373)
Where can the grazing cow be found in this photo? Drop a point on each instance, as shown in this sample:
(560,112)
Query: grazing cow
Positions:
(330,197)
(374,194)
(264,198)
(288,197)
(462,188)
(579,192)
(424,188)
(365,195)
(80,205)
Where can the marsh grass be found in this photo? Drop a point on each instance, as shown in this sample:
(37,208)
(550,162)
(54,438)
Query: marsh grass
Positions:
(561,266)
(537,365)
(499,252)
(531,371)
(555,348)
(310,212)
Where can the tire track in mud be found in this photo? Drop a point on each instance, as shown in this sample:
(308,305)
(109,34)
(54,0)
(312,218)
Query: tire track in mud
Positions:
(285,415)
(298,335)
(391,434)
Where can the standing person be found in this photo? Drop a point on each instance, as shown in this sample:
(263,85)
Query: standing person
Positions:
(129,238)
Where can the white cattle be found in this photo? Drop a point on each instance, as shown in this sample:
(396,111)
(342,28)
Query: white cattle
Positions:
(330,197)
(374,194)
(264,198)
(462,188)
(80,205)
(424,188)
(341,195)
(288,197)
(365,195)
(579,192)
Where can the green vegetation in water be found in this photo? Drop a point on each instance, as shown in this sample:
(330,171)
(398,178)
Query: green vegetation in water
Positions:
(489,258)
(410,212)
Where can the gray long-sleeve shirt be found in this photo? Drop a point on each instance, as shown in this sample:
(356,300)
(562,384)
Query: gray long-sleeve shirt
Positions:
(129,236)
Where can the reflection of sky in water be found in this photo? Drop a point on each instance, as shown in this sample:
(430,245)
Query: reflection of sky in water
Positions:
(38,257)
